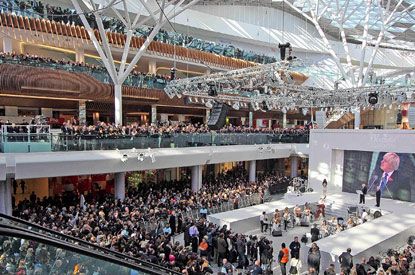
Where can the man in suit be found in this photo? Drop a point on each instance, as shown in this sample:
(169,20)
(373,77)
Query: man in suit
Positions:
(391,183)
(315,232)
(363,194)
(346,261)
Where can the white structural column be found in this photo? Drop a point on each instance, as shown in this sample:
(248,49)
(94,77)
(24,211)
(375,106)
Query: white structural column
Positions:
(284,120)
(207,115)
(196,178)
(80,55)
(357,118)
(119,185)
(294,166)
(251,119)
(118,103)
(153,114)
(6,197)
(2,197)
(252,171)
(152,67)
(7,44)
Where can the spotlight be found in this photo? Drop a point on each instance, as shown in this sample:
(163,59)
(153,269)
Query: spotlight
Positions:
(236,105)
(209,104)
(124,158)
(140,157)
(265,106)
(373,98)
(173,73)
(212,90)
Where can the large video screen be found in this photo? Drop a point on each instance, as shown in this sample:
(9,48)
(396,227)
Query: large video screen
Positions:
(393,173)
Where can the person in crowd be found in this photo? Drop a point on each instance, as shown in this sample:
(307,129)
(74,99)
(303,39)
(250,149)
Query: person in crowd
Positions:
(346,261)
(227,267)
(364,216)
(23,186)
(286,217)
(277,220)
(330,270)
(295,266)
(263,220)
(314,257)
(315,233)
(295,248)
(363,194)
(204,247)
(222,248)
(257,270)
(283,258)
(324,185)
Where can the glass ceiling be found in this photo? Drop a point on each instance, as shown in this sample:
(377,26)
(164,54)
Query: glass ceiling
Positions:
(400,30)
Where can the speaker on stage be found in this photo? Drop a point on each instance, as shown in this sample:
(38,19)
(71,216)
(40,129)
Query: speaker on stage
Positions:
(277,233)
(305,224)
(377,214)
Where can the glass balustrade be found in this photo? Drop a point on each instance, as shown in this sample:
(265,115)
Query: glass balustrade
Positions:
(8,222)
(37,142)
(39,255)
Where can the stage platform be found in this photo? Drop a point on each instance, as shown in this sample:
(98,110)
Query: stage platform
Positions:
(247,219)
(371,238)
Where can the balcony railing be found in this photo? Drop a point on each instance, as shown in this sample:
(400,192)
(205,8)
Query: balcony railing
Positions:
(37,142)
(134,80)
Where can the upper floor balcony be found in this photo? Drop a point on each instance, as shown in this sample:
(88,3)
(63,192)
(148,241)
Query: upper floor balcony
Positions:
(54,33)
(40,138)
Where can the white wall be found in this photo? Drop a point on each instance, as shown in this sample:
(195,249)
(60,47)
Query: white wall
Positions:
(327,151)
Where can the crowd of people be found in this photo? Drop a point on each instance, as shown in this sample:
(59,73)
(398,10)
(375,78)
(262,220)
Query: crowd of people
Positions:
(136,78)
(111,130)
(69,16)
(145,223)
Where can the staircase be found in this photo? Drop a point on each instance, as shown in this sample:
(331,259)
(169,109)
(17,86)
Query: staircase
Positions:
(338,120)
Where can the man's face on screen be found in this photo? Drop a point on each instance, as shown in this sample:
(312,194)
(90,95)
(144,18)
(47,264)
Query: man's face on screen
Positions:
(385,164)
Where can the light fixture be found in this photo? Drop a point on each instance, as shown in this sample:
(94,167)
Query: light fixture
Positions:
(373,98)
(140,157)
(236,105)
(209,104)
(124,157)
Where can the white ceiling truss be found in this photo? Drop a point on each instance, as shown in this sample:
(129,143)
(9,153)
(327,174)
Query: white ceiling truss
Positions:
(159,12)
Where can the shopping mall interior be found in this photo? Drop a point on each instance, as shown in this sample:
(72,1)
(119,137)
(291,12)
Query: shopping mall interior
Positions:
(207,137)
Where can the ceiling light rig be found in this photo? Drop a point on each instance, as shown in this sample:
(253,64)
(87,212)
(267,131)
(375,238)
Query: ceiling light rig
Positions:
(262,86)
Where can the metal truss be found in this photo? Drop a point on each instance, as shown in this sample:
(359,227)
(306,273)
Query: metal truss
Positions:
(158,14)
(245,88)
(339,12)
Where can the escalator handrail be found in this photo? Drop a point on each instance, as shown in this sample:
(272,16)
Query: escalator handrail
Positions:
(88,244)
(15,232)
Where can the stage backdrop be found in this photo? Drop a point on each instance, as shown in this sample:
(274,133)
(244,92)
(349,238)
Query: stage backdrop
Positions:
(364,167)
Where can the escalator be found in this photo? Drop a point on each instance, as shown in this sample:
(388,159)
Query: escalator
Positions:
(32,249)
